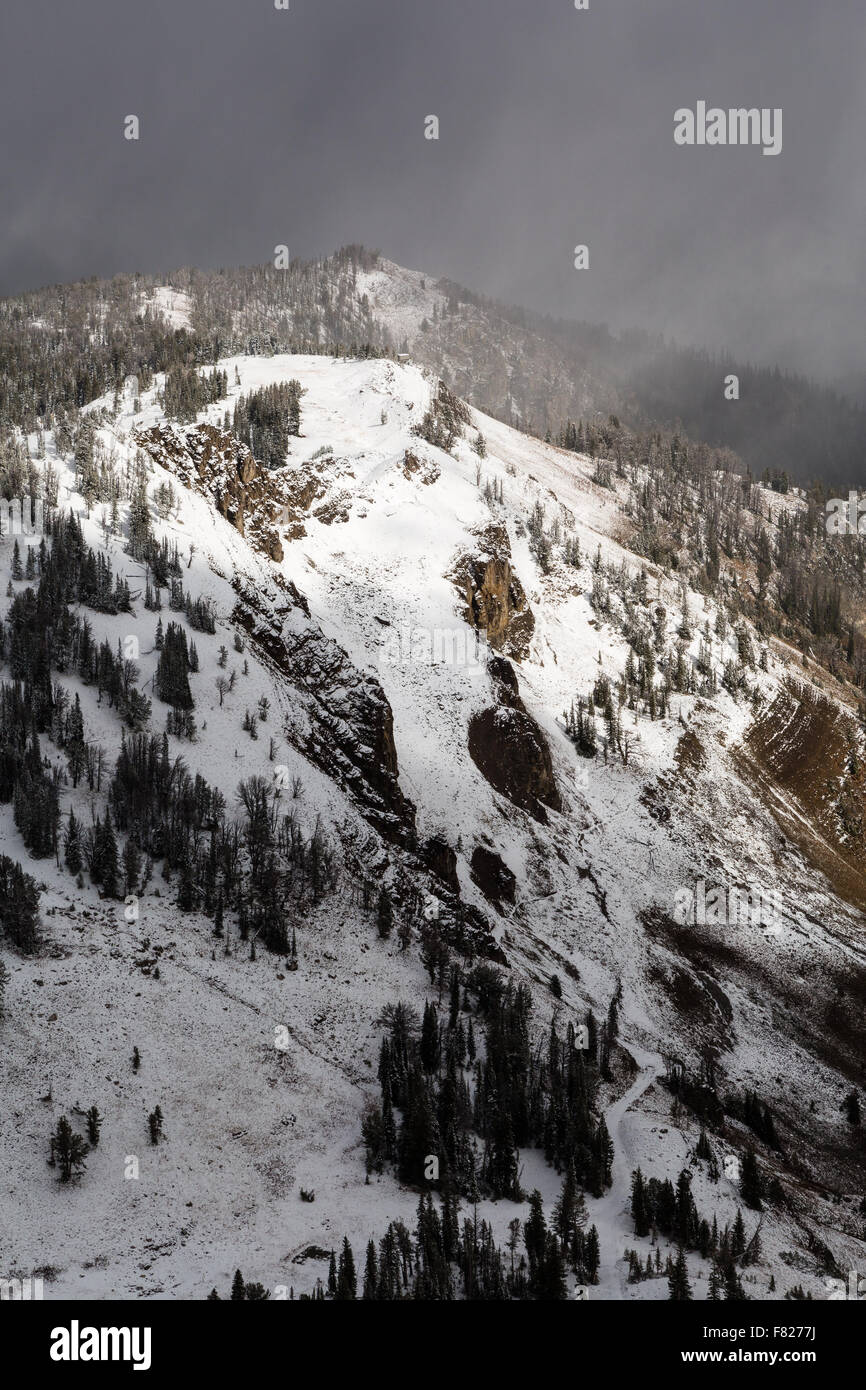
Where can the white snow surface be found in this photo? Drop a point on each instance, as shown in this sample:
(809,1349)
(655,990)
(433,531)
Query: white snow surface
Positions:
(248,1126)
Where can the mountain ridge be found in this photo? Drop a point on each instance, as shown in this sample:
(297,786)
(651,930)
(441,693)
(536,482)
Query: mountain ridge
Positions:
(406,484)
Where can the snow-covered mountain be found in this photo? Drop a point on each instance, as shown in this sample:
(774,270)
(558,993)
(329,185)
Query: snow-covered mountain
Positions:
(413,619)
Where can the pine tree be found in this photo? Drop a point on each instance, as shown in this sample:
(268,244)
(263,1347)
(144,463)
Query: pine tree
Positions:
(384,915)
(94,1125)
(535,1234)
(140,537)
(565,1211)
(751,1182)
(430,1044)
(738,1236)
(19,905)
(106,849)
(4,981)
(72,844)
(239,1292)
(68,1150)
(639,1211)
(346,1279)
(371,1272)
(131,866)
(734,1292)
(678,1282)
(591,1255)
(172,679)
(552,1283)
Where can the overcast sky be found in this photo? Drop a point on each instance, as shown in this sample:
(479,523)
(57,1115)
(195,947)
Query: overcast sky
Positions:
(306,127)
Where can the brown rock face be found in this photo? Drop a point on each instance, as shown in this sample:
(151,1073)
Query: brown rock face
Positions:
(213,462)
(442,860)
(801,754)
(510,750)
(494,596)
(350,726)
(492,876)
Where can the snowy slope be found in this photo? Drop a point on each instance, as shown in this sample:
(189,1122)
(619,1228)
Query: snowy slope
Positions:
(248,1125)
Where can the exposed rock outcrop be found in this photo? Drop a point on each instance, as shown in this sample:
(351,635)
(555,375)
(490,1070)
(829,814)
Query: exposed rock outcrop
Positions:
(341,720)
(267,506)
(493,595)
(442,860)
(510,750)
(214,463)
(493,876)
(349,726)
(802,755)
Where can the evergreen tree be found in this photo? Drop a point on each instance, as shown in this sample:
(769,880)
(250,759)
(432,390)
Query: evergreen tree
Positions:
(639,1212)
(384,916)
(68,1150)
(19,905)
(734,1292)
(552,1283)
(738,1236)
(535,1236)
(751,1182)
(131,866)
(591,1256)
(565,1211)
(371,1272)
(430,1044)
(154,1124)
(172,679)
(346,1279)
(4,982)
(106,850)
(72,844)
(678,1282)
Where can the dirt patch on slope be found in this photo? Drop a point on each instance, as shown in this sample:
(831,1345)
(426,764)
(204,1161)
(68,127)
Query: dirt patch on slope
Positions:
(802,756)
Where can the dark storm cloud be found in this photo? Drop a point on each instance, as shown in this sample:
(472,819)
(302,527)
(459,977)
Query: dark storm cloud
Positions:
(261,126)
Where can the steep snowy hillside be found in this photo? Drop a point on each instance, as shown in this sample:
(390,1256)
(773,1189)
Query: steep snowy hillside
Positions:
(480,739)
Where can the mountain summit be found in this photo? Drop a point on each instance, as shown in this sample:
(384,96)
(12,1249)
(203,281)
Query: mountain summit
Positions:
(396,804)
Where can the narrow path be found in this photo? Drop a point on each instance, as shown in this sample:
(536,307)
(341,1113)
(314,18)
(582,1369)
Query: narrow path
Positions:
(610,1212)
